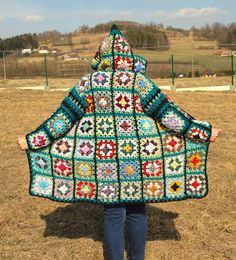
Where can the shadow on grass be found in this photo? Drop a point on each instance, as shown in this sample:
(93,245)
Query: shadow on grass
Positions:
(86,220)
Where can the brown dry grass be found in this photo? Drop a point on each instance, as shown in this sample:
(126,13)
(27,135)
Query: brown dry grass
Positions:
(35,228)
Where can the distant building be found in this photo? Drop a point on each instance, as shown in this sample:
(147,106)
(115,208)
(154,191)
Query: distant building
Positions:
(26,51)
(43,49)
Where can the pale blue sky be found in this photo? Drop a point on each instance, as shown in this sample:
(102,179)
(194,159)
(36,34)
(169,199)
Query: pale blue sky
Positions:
(25,16)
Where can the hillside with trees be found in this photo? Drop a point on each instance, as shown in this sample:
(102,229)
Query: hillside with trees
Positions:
(19,42)
(223,34)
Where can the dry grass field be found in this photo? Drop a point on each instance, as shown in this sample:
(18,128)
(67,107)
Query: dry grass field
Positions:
(36,228)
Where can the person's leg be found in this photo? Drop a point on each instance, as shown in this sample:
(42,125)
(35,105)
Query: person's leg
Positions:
(137,230)
(114,220)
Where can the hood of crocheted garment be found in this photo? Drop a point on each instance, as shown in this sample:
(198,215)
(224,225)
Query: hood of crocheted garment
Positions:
(115,53)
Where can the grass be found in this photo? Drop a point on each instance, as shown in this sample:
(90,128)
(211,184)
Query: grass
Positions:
(36,228)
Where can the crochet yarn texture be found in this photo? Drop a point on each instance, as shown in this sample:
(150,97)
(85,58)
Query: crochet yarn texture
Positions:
(116,137)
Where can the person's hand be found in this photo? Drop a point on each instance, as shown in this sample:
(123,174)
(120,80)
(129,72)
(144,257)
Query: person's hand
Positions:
(21,141)
(214,134)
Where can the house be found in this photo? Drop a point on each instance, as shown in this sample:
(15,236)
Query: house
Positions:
(26,51)
(43,49)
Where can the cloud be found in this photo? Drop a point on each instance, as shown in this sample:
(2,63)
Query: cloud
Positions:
(195,13)
(1,18)
(33,18)
(189,13)
(186,13)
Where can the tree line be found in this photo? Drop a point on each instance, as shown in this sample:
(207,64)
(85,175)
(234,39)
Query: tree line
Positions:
(224,34)
(149,36)
(24,41)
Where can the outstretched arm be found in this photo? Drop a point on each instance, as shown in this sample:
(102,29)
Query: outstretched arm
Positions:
(158,106)
(61,121)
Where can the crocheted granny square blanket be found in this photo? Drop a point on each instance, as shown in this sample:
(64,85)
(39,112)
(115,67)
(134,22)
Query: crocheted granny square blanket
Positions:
(116,137)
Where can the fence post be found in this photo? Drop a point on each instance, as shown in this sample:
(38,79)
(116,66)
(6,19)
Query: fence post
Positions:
(172,87)
(192,67)
(232,86)
(46,72)
(4,65)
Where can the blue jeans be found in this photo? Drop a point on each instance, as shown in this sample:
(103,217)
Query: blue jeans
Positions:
(114,221)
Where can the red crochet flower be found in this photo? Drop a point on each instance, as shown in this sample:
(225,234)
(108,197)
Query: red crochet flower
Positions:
(122,63)
(39,140)
(85,189)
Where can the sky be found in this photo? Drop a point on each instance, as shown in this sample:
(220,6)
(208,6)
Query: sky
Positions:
(17,17)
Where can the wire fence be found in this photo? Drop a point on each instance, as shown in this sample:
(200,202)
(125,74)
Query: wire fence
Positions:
(170,68)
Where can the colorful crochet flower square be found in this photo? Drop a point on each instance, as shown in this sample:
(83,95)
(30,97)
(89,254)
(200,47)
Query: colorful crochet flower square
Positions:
(84,149)
(84,170)
(101,79)
(40,162)
(106,149)
(125,126)
(38,139)
(41,185)
(103,102)
(143,85)
(175,187)
(173,143)
(150,147)
(106,171)
(197,132)
(105,126)
(63,189)
(153,189)
(129,170)
(174,120)
(174,165)
(62,168)
(139,66)
(86,126)
(123,102)
(131,190)
(196,185)
(195,161)
(123,63)
(85,190)
(121,45)
(123,79)
(106,64)
(106,45)
(146,125)
(63,147)
(152,168)
(58,124)
(108,191)
(128,148)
